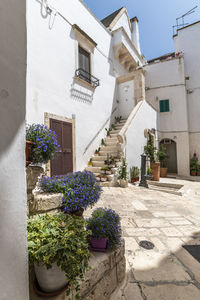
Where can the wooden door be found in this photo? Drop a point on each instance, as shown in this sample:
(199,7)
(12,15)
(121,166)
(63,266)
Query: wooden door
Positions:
(63,162)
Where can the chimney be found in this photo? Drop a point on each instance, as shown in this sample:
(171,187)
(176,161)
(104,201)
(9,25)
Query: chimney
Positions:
(135,33)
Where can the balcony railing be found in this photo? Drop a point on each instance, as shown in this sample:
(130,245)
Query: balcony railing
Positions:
(84,75)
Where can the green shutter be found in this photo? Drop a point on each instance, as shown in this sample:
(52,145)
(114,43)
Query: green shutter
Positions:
(164,105)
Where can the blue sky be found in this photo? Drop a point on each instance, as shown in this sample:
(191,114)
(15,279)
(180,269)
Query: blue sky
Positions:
(156,18)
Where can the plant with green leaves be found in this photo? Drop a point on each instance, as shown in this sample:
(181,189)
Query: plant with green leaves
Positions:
(113,127)
(108,131)
(162,155)
(134,172)
(61,239)
(103,142)
(149,149)
(194,163)
(110,160)
(149,171)
(106,168)
(118,119)
(122,170)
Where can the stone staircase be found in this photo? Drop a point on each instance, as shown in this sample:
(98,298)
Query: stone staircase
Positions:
(110,151)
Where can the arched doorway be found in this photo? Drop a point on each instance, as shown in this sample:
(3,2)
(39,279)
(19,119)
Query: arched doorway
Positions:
(171,151)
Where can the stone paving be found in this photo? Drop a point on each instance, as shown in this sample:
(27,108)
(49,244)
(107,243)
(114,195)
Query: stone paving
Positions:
(167,272)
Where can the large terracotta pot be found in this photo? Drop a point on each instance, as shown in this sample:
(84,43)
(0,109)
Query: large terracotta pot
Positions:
(28,152)
(193,173)
(50,280)
(163,172)
(155,167)
(198,173)
(134,179)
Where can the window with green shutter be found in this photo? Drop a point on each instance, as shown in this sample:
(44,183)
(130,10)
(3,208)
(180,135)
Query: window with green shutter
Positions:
(164,105)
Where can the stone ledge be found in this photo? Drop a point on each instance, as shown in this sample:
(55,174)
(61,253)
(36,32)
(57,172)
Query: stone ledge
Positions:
(107,273)
(42,203)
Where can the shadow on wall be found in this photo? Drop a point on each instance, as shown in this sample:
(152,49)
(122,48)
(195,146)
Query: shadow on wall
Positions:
(175,275)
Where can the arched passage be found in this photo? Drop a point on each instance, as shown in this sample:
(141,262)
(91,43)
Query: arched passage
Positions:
(171,161)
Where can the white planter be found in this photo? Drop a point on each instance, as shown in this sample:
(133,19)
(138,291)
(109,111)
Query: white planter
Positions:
(103,179)
(123,183)
(50,280)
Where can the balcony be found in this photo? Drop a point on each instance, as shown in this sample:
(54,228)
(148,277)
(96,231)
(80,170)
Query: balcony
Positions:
(87,77)
(125,51)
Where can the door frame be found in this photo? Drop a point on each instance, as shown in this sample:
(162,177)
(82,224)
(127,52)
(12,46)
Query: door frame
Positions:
(47,117)
(162,142)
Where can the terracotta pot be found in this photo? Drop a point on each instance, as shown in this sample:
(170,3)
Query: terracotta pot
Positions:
(163,172)
(50,280)
(155,167)
(198,173)
(134,179)
(28,152)
(193,173)
(98,244)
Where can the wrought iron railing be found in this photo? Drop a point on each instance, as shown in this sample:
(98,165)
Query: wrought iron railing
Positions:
(82,74)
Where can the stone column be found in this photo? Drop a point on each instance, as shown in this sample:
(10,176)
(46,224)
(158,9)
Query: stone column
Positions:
(139,85)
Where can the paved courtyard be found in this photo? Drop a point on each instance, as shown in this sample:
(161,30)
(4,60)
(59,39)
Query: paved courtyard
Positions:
(167,272)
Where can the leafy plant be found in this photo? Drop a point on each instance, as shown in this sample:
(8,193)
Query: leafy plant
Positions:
(59,239)
(162,155)
(194,163)
(97,150)
(80,189)
(105,223)
(44,141)
(149,171)
(110,160)
(113,127)
(108,131)
(122,170)
(106,168)
(118,119)
(134,172)
(149,149)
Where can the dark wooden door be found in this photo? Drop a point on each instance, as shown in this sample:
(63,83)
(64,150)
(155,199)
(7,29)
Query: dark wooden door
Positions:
(63,162)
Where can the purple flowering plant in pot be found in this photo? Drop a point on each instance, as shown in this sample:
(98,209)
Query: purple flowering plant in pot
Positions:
(45,144)
(106,229)
(80,190)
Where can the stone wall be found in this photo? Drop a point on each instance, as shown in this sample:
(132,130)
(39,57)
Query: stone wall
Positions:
(106,274)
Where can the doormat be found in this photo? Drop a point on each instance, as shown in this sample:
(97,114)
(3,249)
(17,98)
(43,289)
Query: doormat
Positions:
(194,250)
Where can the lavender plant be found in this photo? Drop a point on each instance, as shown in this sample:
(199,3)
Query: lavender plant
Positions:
(80,189)
(105,223)
(44,141)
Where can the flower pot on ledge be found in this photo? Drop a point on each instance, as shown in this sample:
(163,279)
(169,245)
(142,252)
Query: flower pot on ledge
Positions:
(98,245)
(163,172)
(28,152)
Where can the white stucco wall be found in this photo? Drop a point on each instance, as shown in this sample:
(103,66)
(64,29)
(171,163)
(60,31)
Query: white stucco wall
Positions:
(123,22)
(188,41)
(126,98)
(145,118)
(51,67)
(13,245)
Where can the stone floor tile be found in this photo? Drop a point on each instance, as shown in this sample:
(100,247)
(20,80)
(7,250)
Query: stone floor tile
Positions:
(188,230)
(158,244)
(171,292)
(174,244)
(142,231)
(179,221)
(152,222)
(131,244)
(132,292)
(171,231)
(165,214)
(127,222)
(138,205)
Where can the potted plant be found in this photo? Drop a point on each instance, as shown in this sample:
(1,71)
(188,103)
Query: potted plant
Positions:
(162,155)
(105,228)
(90,163)
(108,131)
(110,161)
(123,174)
(103,142)
(150,150)
(194,165)
(45,145)
(106,170)
(58,250)
(134,174)
(198,170)
(97,151)
(80,190)
(118,119)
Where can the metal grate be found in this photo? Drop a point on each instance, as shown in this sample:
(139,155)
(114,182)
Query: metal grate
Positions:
(82,74)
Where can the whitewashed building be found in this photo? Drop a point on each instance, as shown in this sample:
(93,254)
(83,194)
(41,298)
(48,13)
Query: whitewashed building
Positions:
(81,73)
(173,88)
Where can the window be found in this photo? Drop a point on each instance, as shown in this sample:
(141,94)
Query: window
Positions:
(164,105)
(84,64)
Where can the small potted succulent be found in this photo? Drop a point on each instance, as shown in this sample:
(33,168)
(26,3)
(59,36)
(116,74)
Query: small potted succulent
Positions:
(110,161)
(134,174)
(105,227)
(90,163)
(103,142)
(97,151)
(58,250)
(118,119)
(44,143)
(123,174)
(162,156)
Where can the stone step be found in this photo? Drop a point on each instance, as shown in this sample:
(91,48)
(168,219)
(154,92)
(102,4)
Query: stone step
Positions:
(111,142)
(98,163)
(113,135)
(93,169)
(109,148)
(104,153)
(99,158)
(111,139)
(115,131)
